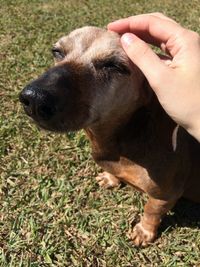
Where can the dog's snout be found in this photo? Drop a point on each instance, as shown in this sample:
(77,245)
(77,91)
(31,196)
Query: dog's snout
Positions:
(27,97)
(37,102)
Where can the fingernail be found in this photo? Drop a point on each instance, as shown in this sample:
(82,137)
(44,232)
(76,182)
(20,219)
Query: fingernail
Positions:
(127,39)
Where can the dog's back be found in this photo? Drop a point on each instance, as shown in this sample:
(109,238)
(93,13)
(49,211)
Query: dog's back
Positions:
(192,189)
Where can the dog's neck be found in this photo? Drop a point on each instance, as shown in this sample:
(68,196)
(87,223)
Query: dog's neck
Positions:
(105,137)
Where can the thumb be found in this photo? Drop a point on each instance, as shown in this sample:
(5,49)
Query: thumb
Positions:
(143,56)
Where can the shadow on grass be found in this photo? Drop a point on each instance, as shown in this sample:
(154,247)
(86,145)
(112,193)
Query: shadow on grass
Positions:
(185,214)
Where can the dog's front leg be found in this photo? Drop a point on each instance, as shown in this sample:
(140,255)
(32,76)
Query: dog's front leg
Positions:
(146,230)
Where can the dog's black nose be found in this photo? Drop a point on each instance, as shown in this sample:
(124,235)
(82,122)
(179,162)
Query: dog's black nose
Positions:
(38,103)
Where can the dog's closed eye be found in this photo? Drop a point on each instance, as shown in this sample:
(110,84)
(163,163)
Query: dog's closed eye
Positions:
(112,64)
(57,53)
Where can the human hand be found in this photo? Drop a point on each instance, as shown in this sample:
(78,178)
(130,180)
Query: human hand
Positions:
(175,77)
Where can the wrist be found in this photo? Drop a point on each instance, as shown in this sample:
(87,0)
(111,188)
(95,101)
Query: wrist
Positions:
(193,115)
(194,129)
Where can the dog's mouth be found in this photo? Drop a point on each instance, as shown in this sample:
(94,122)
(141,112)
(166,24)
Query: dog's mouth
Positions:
(44,113)
(51,116)
(58,126)
(52,121)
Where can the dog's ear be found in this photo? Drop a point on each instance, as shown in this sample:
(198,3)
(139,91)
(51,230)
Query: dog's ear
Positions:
(112,64)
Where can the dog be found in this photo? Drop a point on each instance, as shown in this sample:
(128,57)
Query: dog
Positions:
(94,86)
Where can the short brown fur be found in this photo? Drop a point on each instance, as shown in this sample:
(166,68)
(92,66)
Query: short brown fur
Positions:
(130,134)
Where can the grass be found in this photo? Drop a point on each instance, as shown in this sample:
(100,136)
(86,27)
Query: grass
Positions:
(52,213)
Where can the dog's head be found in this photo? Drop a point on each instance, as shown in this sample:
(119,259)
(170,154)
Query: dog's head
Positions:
(91,81)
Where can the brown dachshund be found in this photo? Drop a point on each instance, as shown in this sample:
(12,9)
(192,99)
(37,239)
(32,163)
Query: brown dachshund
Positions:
(94,87)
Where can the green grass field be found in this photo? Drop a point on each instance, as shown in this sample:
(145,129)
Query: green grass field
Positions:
(52,212)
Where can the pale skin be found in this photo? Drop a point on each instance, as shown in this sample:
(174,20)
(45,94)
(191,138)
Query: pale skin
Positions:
(174,77)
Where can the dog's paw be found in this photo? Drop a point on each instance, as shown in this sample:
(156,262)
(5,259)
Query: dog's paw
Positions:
(140,236)
(107,180)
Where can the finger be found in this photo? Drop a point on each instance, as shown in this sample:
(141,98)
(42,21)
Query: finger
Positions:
(143,56)
(156,14)
(149,28)
(161,16)
(120,25)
